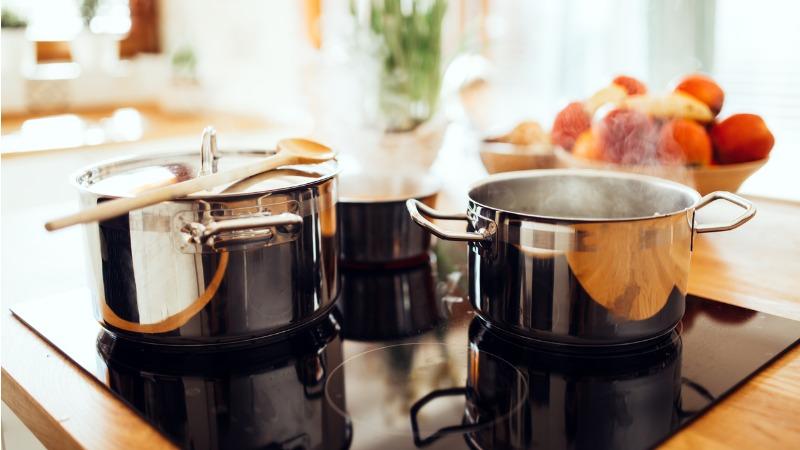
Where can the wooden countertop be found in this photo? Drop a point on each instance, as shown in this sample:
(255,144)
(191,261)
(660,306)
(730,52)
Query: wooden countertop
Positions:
(756,266)
(101,127)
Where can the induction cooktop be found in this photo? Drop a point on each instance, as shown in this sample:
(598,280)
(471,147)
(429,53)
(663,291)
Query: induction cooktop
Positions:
(404,362)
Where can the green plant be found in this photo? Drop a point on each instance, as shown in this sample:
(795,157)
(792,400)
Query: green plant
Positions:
(10,19)
(184,63)
(409,35)
(89,10)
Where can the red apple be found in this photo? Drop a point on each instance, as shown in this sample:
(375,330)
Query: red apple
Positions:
(741,138)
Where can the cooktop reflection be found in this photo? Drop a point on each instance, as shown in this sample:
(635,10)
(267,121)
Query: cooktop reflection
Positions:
(405,363)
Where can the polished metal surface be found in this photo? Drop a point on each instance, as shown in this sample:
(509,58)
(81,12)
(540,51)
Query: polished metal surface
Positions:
(126,177)
(216,269)
(373,223)
(621,401)
(581,257)
(389,304)
(749,212)
(209,156)
(582,283)
(569,194)
(263,397)
(415,206)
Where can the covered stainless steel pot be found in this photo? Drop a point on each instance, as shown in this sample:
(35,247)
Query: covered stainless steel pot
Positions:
(244,261)
(580,257)
(373,223)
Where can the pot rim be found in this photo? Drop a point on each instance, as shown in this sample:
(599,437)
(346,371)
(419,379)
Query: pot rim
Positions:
(400,200)
(430,187)
(76,175)
(583,173)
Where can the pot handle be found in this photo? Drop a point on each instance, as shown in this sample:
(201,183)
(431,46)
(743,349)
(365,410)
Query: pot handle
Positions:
(415,206)
(419,404)
(749,211)
(204,233)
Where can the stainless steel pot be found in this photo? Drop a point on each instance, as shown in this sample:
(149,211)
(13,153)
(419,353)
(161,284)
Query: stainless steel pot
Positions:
(241,262)
(373,227)
(580,257)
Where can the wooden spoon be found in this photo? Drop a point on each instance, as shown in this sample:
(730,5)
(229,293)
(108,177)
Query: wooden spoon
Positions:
(290,152)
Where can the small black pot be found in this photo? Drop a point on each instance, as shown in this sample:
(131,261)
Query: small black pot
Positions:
(374,228)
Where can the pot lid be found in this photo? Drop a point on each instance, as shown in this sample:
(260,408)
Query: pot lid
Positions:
(130,176)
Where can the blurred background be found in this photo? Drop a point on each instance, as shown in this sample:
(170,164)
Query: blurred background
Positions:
(91,72)
(86,80)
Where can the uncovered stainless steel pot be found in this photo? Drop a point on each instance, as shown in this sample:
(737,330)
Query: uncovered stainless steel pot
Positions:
(373,224)
(241,262)
(580,257)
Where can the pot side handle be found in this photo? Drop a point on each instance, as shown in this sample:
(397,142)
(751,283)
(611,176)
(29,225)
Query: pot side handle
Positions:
(205,233)
(749,211)
(414,207)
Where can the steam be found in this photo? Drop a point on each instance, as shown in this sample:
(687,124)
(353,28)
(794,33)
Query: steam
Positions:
(581,195)
(635,142)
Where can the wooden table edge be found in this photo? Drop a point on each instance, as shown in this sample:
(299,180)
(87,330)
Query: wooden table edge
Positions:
(39,413)
(54,434)
(45,427)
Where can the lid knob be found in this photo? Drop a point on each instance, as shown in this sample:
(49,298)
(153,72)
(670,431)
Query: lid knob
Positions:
(208,151)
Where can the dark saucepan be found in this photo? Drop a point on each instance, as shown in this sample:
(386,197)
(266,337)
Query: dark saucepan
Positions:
(374,229)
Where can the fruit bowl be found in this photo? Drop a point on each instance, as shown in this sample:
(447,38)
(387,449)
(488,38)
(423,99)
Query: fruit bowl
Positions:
(506,157)
(705,179)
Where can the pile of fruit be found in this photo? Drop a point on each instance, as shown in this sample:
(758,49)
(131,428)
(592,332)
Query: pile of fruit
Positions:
(526,133)
(678,128)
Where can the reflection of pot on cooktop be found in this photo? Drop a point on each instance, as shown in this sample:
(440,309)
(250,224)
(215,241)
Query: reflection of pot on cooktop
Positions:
(268,397)
(575,401)
(389,304)
(522,397)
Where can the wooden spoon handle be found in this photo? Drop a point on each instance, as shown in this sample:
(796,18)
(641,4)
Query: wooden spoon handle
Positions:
(117,207)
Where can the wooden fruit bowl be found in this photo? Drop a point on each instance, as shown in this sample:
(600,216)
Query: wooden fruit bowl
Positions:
(705,179)
(505,157)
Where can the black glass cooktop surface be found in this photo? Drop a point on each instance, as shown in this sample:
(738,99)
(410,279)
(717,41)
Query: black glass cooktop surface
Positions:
(406,363)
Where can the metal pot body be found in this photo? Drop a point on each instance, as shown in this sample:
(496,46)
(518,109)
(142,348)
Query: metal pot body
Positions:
(373,219)
(582,283)
(217,270)
(378,233)
(581,257)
